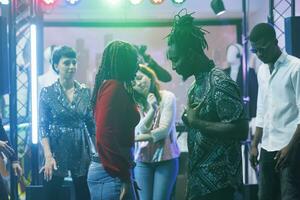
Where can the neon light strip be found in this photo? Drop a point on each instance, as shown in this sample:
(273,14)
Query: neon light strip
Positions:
(34,84)
(4,2)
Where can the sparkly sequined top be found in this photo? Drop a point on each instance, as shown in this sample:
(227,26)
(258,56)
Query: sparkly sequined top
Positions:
(67,125)
(214,163)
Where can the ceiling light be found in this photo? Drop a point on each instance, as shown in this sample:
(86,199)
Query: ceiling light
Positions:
(135,2)
(178,1)
(218,7)
(157,1)
(72,2)
(48,2)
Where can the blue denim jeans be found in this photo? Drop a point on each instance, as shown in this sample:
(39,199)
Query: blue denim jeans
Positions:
(156,180)
(104,187)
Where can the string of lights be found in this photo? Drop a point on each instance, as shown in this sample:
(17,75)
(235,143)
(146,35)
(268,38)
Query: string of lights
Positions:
(134,2)
(216,5)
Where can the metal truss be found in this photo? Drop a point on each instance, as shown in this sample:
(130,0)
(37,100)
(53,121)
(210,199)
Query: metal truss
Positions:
(280,10)
(20,19)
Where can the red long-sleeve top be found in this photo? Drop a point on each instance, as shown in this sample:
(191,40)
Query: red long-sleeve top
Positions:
(116,116)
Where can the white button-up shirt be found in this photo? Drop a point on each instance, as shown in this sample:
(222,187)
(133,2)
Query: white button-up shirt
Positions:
(278,103)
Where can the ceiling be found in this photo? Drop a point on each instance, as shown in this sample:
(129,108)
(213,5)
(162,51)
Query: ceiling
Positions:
(100,10)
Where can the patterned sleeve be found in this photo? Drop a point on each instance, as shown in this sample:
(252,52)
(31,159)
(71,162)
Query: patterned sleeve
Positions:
(89,118)
(229,106)
(44,114)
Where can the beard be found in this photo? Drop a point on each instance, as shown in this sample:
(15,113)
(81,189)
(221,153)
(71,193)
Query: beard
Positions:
(185,74)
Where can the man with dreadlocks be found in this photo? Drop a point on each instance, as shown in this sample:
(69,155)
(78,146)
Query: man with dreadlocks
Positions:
(214,116)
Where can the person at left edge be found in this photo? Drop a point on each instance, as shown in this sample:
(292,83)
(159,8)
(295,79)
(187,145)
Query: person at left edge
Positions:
(8,151)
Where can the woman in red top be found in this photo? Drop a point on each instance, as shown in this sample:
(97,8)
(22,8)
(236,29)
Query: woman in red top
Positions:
(116,115)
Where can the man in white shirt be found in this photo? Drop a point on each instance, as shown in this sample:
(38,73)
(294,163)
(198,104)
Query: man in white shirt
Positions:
(277,118)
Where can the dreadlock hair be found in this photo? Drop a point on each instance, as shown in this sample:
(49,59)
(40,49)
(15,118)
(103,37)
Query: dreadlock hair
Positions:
(59,52)
(118,60)
(185,35)
(154,87)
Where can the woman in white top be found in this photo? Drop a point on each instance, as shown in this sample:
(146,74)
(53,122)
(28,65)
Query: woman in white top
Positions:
(157,151)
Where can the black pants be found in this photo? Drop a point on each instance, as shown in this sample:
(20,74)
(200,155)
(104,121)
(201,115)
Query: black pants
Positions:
(222,194)
(282,185)
(53,189)
(3,190)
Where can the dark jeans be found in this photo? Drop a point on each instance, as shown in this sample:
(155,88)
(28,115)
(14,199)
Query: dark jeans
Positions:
(53,188)
(282,185)
(222,194)
(3,190)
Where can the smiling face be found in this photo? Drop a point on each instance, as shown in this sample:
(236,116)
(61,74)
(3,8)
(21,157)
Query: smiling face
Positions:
(142,84)
(180,63)
(67,67)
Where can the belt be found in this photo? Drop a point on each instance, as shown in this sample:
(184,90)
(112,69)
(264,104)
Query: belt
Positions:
(67,125)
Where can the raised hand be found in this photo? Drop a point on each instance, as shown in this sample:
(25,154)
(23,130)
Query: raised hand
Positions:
(152,101)
(192,113)
(6,149)
(18,171)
